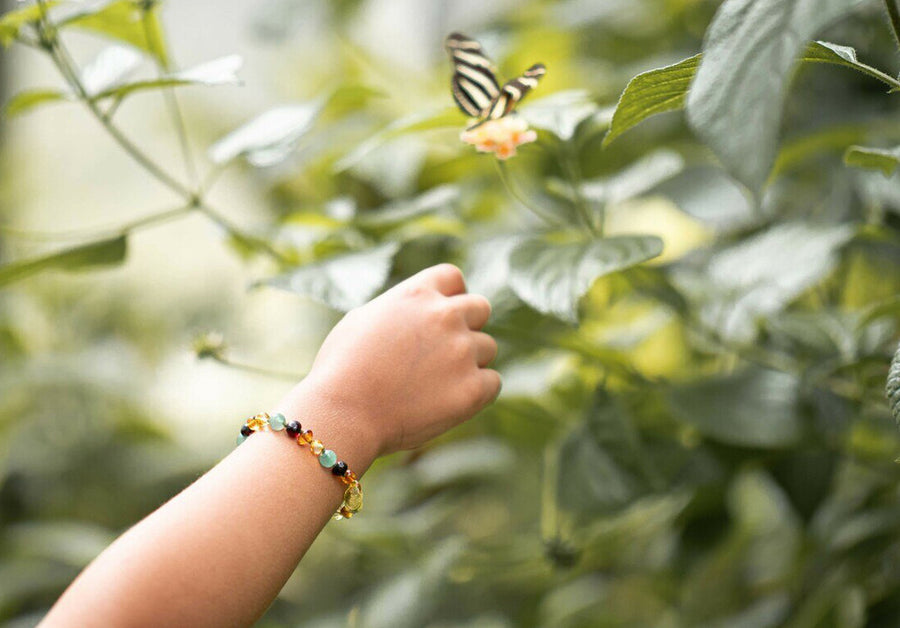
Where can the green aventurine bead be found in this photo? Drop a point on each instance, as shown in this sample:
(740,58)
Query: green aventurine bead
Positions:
(241,438)
(276,422)
(327,458)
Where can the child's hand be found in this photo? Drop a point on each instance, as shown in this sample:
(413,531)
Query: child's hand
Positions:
(409,365)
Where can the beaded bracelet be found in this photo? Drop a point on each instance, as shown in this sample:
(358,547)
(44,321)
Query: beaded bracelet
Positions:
(353,496)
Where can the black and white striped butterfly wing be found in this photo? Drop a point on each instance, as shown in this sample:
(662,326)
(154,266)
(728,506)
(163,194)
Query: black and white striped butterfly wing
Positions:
(514,91)
(474,84)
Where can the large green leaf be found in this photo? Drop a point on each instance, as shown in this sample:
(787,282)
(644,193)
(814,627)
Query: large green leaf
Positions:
(761,275)
(100,253)
(750,408)
(342,282)
(125,20)
(884,159)
(652,92)
(892,389)
(552,277)
(736,99)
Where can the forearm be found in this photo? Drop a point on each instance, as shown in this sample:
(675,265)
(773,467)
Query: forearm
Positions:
(219,552)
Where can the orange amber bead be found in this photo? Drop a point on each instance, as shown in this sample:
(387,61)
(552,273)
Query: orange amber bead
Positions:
(349,477)
(259,422)
(305,437)
(345,512)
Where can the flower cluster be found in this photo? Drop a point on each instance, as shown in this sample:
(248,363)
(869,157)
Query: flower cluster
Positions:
(500,136)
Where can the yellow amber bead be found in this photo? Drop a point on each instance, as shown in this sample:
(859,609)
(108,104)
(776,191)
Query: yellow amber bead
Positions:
(316,447)
(345,512)
(353,498)
(305,437)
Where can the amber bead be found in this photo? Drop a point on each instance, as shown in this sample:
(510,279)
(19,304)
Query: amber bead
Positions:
(306,437)
(345,512)
(259,422)
(349,477)
(316,447)
(353,498)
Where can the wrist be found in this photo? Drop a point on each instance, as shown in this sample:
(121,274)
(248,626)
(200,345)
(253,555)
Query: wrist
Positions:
(349,431)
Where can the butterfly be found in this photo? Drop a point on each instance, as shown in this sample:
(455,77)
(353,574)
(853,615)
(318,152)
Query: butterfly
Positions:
(474,83)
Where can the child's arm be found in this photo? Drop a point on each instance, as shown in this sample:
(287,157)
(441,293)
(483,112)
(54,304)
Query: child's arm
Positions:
(392,374)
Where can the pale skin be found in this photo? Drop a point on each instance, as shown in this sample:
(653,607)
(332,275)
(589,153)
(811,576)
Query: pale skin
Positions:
(393,374)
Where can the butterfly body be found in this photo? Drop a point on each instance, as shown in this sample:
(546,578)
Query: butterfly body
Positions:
(474,84)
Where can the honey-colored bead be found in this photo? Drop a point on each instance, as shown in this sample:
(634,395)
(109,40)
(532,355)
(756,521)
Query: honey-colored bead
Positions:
(258,423)
(316,447)
(353,497)
(349,477)
(345,512)
(306,437)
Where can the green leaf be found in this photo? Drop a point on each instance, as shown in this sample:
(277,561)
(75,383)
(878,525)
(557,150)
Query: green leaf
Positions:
(126,21)
(100,253)
(414,123)
(737,96)
(892,388)
(29,99)
(635,180)
(552,277)
(342,282)
(826,52)
(403,210)
(560,113)
(761,275)
(221,71)
(602,467)
(710,196)
(108,68)
(884,159)
(751,408)
(12,22)
(269,138)
(652,92)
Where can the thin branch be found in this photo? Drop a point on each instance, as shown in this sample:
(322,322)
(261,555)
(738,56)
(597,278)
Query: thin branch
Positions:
(513,191)
(256,370)
(569,162)
(238,233)
(66,66)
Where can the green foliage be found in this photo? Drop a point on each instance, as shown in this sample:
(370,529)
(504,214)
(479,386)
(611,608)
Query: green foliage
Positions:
(552,277)
(102,253)
(698,441)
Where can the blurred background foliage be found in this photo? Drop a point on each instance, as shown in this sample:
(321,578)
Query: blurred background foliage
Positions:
(701,440)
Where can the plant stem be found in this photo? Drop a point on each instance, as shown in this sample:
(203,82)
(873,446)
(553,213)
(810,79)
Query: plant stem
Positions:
(63,62)
(569,162)
(257,370)
(170,98)
(513,191)
(893,10)
(228,226)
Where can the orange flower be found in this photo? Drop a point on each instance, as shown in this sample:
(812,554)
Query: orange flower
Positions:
(500,136)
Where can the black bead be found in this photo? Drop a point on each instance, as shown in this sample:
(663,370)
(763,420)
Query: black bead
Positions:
(339,469)
(293,428)
(246,431)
